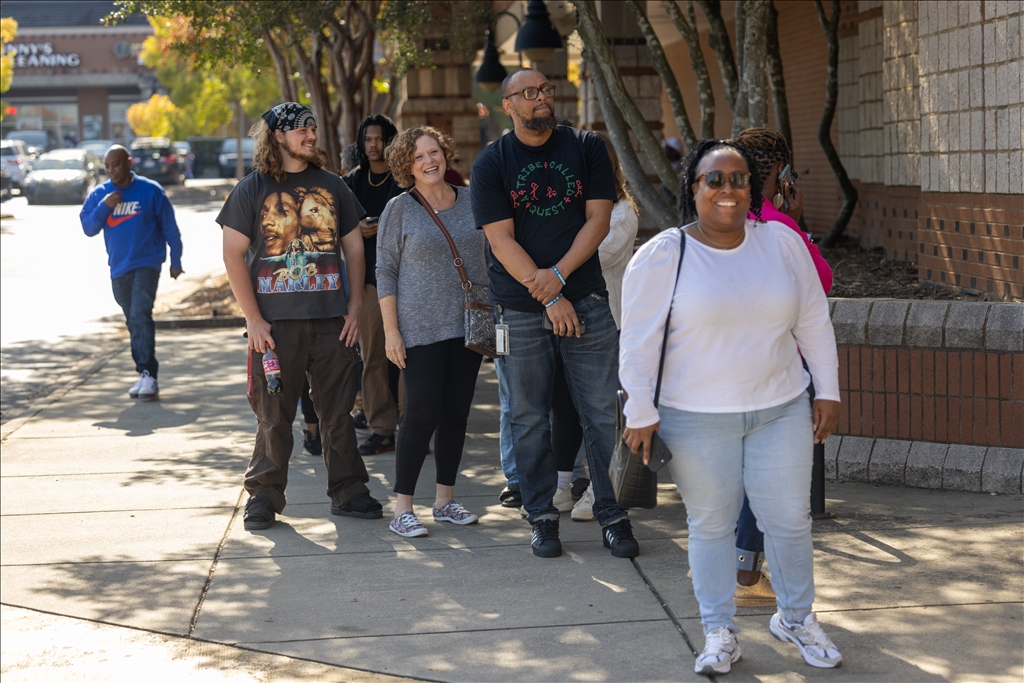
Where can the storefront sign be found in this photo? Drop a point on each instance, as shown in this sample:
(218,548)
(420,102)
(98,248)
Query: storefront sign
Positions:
(40,54)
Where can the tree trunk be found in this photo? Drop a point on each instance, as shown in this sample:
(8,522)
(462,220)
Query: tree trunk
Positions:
(740,115)
(688,29)
(831,27)
(239,160)
(648,196)
(754,43)
(776,79)
(594,40)
(718,36)
(675,97)
(283,67)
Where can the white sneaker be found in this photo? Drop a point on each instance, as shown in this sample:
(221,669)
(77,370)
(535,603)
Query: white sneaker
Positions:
(147,386)
(134,391)
(583,510)
(721,650)
(563,501)
(815,647)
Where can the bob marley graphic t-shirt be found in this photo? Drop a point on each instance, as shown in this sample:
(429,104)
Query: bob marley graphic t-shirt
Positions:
(545,191)
(294,230)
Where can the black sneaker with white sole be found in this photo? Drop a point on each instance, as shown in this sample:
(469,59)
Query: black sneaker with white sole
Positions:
(545,539)
(620,540)
(377,444)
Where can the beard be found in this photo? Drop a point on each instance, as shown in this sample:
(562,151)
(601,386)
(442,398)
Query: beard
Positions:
(539,123)
(299,153)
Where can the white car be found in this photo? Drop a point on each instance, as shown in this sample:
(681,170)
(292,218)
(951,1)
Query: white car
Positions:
(16,159)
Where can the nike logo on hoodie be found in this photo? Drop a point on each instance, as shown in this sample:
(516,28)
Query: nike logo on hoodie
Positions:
(123,212)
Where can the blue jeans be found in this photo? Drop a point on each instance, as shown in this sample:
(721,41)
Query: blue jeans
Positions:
(508,459)
(715,457)
(135,293)
(591,372)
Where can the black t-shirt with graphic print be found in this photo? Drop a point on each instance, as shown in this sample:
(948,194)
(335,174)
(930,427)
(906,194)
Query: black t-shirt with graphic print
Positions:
(294,230)
(544,190)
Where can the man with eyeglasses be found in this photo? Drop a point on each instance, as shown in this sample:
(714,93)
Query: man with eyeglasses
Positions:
(543,195)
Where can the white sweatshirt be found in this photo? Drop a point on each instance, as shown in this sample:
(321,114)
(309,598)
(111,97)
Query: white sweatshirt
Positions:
(615,252)
(738,318)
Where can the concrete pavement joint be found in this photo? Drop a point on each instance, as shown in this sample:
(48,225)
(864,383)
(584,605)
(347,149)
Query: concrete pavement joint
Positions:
(213,566)
(664,606)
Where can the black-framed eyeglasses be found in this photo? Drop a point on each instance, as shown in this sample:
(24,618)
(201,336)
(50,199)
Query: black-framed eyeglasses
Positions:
(533,93)
(740,180)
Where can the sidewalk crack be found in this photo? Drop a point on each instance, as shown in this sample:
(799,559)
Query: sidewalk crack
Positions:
(664,605)
(213,566)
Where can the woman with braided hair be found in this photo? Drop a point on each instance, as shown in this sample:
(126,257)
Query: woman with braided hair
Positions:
(741,302)
(783,202)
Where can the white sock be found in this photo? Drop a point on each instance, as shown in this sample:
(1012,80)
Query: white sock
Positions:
(563,479)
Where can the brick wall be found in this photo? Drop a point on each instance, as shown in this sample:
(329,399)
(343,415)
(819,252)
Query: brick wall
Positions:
(887,217)
(947,396)
(974,241)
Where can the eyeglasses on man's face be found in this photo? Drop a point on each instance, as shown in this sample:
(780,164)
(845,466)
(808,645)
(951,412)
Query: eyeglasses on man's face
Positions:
(533,93)
(740,180)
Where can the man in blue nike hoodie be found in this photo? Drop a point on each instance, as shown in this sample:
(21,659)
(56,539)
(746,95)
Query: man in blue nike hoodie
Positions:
(137,222)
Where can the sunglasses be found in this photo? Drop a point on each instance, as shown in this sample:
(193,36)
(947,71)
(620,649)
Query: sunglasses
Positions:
(740,180)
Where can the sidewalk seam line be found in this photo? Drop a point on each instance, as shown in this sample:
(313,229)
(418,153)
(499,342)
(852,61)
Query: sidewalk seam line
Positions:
(213,567)
(664,606)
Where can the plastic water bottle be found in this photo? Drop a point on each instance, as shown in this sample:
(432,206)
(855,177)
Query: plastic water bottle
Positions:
(272,370)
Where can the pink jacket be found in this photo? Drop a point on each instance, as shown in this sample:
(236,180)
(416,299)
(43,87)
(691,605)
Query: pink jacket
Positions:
(770,213)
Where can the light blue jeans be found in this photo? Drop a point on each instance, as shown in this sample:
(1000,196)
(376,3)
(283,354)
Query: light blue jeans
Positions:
(715,456)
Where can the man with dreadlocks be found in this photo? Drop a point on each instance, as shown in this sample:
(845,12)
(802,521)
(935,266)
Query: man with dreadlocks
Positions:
(374,186)
(286,227)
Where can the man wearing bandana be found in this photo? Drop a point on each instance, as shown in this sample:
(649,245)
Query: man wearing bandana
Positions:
(287,228)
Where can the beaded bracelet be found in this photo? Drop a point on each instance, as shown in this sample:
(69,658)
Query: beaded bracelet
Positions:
(559,274)
(553,301)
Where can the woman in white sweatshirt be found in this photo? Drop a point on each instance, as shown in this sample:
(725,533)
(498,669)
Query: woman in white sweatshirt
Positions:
(734,407)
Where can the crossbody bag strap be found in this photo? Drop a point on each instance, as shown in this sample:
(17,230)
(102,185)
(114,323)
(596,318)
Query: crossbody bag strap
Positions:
(664,341)
(451,243)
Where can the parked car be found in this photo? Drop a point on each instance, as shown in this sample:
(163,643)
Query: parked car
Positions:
(185,150)
(66,176)
(206,149)
(97,147)
(16,160)
(157,159)
(229,156)
(6,184)
(37,141)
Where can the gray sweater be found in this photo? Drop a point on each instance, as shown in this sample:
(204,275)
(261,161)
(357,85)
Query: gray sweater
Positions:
(414,264)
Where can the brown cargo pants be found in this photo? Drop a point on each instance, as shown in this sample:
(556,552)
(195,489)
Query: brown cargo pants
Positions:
(306,348)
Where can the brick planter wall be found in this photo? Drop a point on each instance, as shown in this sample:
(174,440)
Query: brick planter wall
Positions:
(932,394)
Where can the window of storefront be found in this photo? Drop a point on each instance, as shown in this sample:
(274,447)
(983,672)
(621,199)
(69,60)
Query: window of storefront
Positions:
(117,113)
(61,119)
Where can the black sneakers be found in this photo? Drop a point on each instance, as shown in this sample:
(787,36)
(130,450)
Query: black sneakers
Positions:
(619,538)
(312,444)
(511,497)
(360,420)
(377,444)
(259,514)
(362,505)
(545,539)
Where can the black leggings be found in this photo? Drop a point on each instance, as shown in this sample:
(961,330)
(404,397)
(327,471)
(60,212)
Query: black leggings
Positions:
(440,380)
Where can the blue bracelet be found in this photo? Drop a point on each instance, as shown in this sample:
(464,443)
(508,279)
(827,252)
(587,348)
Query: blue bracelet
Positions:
(553,301)
(559,274)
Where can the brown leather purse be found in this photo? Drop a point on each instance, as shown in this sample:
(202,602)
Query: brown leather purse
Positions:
(477,312)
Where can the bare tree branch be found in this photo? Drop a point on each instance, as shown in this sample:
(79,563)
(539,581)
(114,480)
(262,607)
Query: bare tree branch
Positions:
(646,193)
(700,68)
(831,28)
(595,41)
(718,36)
(775,77)
(755,20)
(675,97)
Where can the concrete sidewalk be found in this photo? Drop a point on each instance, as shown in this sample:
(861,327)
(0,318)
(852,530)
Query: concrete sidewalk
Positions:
(124,559)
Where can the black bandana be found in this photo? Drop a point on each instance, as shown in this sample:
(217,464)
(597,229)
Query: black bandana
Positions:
(289,116)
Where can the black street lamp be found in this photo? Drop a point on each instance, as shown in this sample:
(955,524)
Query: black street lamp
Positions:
(538,38)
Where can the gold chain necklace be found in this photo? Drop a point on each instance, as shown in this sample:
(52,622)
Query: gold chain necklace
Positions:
(716,244)
(369,179)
